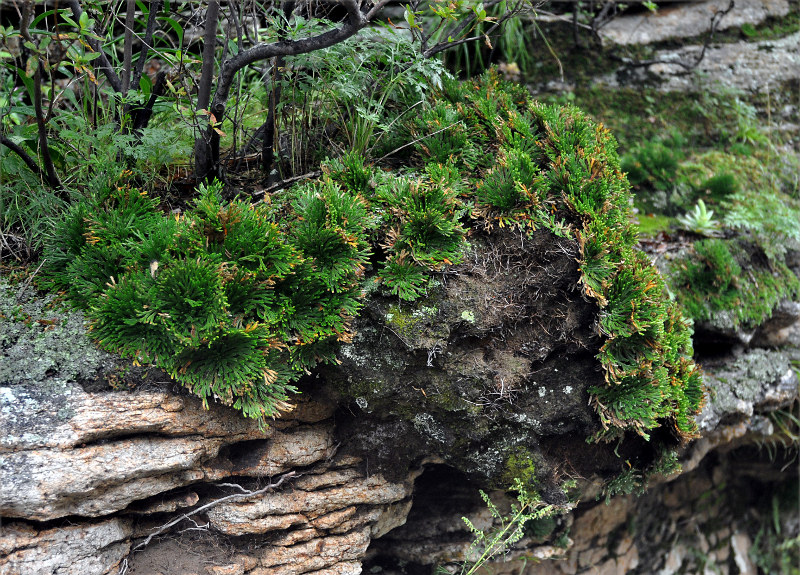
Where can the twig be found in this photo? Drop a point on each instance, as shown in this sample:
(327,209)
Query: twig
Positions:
(24,287)
(288,181)
(211,504)
(414,142)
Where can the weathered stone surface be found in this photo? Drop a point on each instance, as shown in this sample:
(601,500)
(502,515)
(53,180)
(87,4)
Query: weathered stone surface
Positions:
(86,549)
(746,66)
(166,504)
(782,328)
(139,445)
(687,20)
(757,379)
(46,484)
(298,507)
(296,447)
(33,418)
(315,555)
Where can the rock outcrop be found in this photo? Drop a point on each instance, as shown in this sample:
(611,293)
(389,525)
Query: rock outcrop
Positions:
(688,20)
(144,480)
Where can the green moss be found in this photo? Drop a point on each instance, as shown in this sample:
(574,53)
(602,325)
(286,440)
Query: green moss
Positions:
(519,465)
(406,319)
(651,224)
(724,278)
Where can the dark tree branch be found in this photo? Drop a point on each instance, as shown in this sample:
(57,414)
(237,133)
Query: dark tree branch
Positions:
(127,48)
(607,13)
(34,167)
(287,182)
(206,148)
(268,143)
(356,21)
(142,115)
(50,170)
(147,41)
(103,64)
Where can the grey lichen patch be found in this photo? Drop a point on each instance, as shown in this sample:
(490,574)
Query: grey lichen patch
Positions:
(45,344)
(737,388)
(429,427)
(44,354)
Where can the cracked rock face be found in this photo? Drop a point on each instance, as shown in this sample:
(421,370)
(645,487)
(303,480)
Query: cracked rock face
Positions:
(85,549)
(380,458)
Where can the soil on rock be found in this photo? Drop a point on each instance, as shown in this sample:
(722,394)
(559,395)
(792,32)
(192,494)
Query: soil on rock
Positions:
(497,358)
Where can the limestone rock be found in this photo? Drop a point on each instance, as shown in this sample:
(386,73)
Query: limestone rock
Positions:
(92,454)
(758,379)
(751,66)
(782,328)
(688,20)
(33,417)
(86,549)
(46,484)
(339,552)
(281,510)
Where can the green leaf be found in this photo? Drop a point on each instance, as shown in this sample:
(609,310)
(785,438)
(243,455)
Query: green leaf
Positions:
(145,85)
(30,70)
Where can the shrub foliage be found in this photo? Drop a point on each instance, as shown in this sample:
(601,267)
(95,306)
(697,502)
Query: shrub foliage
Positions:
(236,300)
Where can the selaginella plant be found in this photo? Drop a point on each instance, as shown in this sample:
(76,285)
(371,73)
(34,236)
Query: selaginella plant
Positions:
(236,300)
(224,299)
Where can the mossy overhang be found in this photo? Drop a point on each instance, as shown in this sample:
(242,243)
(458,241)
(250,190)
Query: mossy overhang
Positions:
(481,389)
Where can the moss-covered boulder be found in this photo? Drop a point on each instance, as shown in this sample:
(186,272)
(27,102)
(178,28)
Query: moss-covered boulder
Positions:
(507,310)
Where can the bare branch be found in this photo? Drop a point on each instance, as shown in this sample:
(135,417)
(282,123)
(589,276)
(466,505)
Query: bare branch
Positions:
(229,68)
(47,160)
(22,154)
(127,48)
(287,182)
(155,8)
(375,9)
(103,64)
(206,153)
